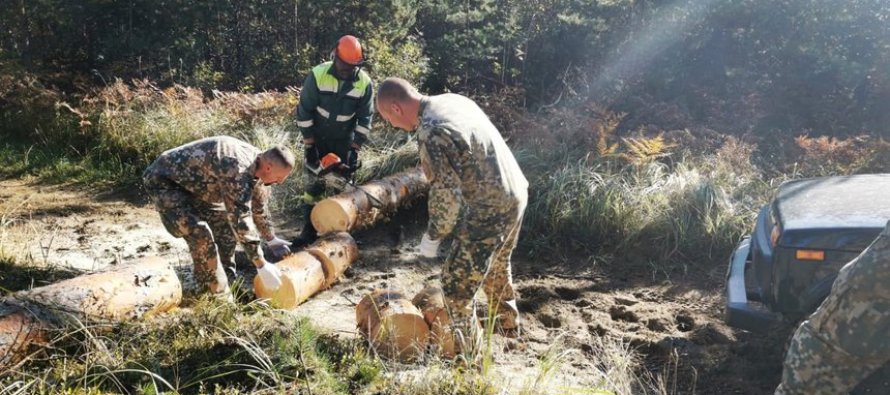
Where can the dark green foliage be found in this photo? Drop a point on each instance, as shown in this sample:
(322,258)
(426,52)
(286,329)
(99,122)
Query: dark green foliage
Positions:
(241,45)
(745,66)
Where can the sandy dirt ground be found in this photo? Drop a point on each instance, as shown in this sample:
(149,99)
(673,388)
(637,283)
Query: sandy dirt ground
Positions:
(569,309)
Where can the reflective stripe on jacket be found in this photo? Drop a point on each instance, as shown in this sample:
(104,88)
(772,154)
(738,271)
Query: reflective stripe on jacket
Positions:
(331,109)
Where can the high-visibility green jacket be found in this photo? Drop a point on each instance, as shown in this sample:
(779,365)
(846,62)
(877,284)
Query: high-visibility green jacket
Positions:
(332,109)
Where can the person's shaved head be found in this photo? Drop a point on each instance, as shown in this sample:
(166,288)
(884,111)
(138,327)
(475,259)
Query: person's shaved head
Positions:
(398,102)
(396,89)
(280,156)
(274,165)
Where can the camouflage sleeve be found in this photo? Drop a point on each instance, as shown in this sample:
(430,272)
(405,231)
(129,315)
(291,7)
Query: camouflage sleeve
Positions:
(305,113)
(238,195)
(445,194)
(364,114)
(258,202)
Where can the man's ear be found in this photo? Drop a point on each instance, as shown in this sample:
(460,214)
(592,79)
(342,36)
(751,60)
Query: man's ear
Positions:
(262,167)
(395,108)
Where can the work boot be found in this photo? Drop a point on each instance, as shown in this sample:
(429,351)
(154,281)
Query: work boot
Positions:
(308,235)
(231,273)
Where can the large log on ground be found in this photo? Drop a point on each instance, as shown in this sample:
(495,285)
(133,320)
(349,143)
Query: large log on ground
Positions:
(145,287)
(392,325)
(353,209)
(307,272)
(431,302)
(302,275)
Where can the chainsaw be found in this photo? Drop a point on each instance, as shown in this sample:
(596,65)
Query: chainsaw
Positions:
(331,170)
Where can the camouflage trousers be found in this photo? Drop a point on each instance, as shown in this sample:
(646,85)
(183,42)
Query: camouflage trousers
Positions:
(205,228)
(848,336)
(480,256)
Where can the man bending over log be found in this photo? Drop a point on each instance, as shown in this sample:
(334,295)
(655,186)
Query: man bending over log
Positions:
(213,193)
(477,193)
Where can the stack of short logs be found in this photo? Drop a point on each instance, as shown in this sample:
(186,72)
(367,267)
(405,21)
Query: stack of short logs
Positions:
(402,329)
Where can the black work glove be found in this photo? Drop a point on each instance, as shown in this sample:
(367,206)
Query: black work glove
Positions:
(310,155)
(352,159)
(278,253)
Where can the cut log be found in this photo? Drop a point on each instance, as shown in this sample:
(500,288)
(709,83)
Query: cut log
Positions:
(353,209)
(302,275)
(336,252)
(145,287)
(431,302)
(305,273)
(392,325)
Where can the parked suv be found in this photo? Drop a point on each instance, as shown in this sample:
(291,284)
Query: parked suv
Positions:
(801,239)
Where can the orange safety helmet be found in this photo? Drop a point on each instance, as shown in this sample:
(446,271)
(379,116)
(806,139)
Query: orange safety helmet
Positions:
(349,50)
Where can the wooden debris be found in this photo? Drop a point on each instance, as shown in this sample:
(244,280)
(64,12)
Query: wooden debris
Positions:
(302,275)
(336,252)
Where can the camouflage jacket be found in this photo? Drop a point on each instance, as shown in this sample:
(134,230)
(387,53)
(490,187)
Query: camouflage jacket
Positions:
(220,170)
(471,170)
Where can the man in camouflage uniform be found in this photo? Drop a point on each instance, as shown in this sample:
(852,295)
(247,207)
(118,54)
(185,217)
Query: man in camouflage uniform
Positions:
(212,193)
(478,194)
(848,337)
(334,116)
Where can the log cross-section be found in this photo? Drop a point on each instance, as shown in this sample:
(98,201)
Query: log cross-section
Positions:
(302,275)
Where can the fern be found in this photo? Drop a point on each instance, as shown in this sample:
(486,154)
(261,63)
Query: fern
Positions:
(643,150)
(604,128)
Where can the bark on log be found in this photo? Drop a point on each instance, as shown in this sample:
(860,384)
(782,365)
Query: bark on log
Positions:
(336,252)
(145,287)
(352,210)
(20,333)
(392,325)
(302,275)
(431,302)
